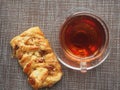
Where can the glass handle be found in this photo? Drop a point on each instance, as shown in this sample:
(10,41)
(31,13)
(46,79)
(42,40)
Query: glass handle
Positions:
(83,66)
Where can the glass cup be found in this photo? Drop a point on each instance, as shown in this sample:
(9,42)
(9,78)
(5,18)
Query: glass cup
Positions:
(91,41)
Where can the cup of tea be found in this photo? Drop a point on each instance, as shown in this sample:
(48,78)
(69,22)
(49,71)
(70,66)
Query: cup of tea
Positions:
(81,39)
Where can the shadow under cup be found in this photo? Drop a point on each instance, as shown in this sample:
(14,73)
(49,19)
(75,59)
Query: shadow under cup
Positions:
(83,40)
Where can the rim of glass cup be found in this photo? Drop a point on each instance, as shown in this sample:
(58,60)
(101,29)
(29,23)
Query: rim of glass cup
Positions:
(103,22)
(93,57)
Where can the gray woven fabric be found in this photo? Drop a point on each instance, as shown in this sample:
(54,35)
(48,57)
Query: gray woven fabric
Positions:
(18,15)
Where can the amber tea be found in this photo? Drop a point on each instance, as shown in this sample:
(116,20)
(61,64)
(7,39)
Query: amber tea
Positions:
(82,36)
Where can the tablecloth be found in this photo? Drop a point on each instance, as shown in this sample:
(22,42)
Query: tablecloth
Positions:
(19,15)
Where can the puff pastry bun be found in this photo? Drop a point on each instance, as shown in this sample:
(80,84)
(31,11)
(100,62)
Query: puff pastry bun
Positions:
(36,57)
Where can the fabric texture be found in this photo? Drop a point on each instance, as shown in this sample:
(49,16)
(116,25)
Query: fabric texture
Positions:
(19,15)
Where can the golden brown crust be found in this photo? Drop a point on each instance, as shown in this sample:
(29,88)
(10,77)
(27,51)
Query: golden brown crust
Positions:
(36,58)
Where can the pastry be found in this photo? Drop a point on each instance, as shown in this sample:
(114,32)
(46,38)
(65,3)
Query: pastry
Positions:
(37,58)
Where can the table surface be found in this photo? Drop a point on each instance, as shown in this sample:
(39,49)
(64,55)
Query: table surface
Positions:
(18,15)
